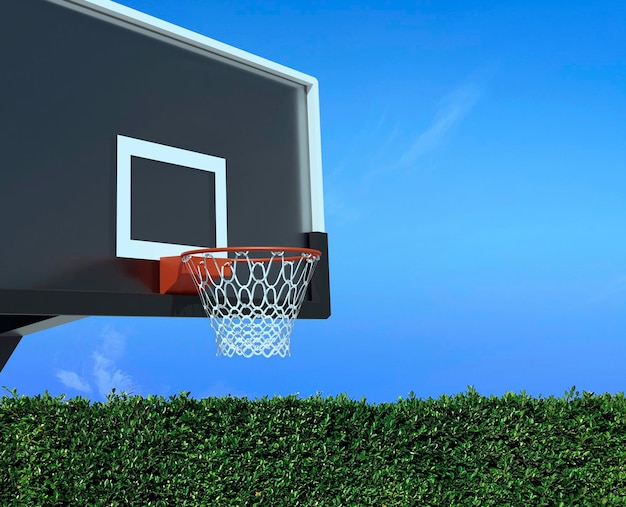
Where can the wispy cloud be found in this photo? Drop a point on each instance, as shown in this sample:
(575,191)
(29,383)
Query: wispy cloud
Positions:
(453,110)
(105,372)
(336,205)
(392,149)
(73,380)
(107,376)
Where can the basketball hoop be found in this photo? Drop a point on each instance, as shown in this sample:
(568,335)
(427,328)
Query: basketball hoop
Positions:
(252,295)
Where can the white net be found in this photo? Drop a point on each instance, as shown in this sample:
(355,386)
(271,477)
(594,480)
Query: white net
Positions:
(252,302)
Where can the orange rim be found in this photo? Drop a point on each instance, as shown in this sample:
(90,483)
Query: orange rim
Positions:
(310,251)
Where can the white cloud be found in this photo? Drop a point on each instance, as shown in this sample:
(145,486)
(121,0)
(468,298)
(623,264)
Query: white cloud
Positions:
(454,108)
(337,206)
(347,195)
(72,380)
(105,371)
(113,344)
(107,376)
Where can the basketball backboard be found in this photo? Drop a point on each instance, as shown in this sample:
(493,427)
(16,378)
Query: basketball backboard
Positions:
(125,139)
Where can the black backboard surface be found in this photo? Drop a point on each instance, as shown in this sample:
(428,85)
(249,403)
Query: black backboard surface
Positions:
(124,139)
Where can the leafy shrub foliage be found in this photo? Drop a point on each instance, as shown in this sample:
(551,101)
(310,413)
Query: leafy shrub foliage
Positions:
(462,450)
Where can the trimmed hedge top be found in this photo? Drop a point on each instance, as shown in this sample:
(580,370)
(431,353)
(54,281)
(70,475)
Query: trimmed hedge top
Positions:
(461,450)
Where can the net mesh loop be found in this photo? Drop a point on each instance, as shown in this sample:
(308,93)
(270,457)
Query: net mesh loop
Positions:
(252,302)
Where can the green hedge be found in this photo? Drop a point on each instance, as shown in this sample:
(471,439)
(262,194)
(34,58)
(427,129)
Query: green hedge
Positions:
(462,450)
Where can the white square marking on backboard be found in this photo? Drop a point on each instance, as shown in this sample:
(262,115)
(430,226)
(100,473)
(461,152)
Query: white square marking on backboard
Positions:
(128,147)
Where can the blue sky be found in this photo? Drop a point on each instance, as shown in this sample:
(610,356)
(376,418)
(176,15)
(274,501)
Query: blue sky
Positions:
(474,161)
